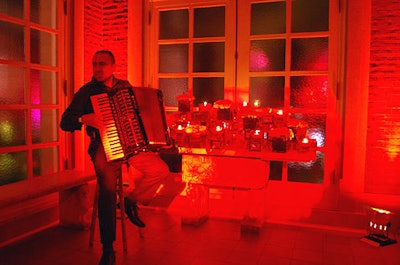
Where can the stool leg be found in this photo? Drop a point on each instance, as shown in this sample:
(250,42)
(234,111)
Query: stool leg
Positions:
(120,188)
(122,214)
(94,216)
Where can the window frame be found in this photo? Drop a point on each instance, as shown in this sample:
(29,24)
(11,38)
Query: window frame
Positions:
(56,31)
(240,73)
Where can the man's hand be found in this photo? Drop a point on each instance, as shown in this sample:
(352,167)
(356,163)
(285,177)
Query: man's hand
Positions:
(92,120)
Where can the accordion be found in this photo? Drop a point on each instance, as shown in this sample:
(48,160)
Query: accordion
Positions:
(134,121)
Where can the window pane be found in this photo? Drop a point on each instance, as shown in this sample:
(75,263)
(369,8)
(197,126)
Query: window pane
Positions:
(208,89)
(45,161)
(44,12)
(209,57)
(14,8)
(12,41)
(309,91)
(12,127)
(174,24)
(171,88)
(310,54)
(275,170)
(269,91)
(13,167)
(43,48)
(43,87)
(209,22)
(44,126)
(311,172)
(268,18)
(173,58)
(267,55)
(316,126)
(310,15)
(12,84)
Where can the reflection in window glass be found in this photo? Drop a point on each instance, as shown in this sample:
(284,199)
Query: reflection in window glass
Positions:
(209,57)
(268,18)
(13,167)
(12,127)
(268,91)
(310,15)
(171,88)
(310,54)
(173,58)
(12,42)
(43,87)
(310,172)
(267,55)
(43,48)
(12,84)
(316,126)
(44,126)
(44,12)
(208,89)
(45,161)
(174,24)
(209,22)
(308,91)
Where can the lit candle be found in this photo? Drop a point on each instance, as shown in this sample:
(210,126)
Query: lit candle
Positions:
(205,106)
(256,103)
(305,141)
(218,128)
(244,103)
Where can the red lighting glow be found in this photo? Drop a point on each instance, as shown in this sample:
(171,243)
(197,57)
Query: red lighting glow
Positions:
(259,60)
(381,211)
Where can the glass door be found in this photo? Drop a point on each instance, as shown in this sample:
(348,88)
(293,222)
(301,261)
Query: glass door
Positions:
(278,54)
(288,61)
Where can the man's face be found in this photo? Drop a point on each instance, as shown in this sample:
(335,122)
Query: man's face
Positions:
(103,67)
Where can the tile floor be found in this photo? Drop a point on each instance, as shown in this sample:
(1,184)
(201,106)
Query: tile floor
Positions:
(217,242)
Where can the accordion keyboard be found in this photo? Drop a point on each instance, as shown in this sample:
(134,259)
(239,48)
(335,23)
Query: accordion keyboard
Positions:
(122,135)
(108,134)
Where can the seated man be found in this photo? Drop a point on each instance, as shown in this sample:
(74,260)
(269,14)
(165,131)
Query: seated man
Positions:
(153,169)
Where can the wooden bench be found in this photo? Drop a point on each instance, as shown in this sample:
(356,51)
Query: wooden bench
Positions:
(43,185)
(74,200)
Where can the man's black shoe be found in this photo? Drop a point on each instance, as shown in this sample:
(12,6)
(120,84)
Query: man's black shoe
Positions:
(132,210)
(108,258)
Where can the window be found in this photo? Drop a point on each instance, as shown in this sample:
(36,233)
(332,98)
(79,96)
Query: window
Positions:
(29,89)
(192,53)
(278,53)
(288,62)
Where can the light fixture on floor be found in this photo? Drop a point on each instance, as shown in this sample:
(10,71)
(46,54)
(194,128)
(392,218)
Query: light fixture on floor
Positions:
(378,229)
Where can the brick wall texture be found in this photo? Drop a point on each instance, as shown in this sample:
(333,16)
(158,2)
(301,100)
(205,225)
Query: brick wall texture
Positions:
(106,27)
(383,134)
